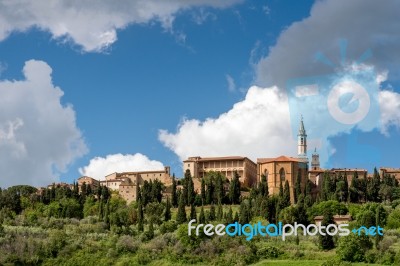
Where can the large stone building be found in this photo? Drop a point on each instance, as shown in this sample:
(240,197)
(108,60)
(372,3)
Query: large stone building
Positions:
(281,169)
(89,181)
(125,183)
(245,167)
(383,171)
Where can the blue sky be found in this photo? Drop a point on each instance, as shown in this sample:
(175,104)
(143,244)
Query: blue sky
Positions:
(186,71)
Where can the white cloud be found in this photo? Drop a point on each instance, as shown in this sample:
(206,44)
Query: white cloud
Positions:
(92,24)
(258,126)
(390,110)
(231,83)
(99,167)
(38,135)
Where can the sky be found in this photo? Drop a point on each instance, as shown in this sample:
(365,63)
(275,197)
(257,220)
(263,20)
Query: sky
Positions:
(94,87)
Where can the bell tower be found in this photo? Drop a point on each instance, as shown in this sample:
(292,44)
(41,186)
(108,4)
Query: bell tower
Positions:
(302,142)
(315,160)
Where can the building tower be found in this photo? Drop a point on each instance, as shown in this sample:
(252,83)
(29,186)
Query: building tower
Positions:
(315,160)
(302,142)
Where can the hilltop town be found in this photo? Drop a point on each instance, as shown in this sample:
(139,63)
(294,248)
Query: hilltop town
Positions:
(276,170)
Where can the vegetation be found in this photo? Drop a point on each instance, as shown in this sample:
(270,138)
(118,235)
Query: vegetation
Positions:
(88,226)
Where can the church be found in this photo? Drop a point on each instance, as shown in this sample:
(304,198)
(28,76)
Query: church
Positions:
(281,169)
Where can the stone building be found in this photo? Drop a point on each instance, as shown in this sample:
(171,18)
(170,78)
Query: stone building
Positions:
(383,171)
(125,183)
(245,167)
(281,169)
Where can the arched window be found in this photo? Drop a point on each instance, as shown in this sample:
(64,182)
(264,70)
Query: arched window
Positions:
(282,175)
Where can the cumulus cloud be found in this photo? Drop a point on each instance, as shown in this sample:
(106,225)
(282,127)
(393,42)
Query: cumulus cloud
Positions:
(390,110)
(92,24)
(38,135)
(99,167)
(258,126)
(365,24)
(263,125)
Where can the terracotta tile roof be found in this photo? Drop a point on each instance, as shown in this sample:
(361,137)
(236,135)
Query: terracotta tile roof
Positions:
(200,159)
(278,159)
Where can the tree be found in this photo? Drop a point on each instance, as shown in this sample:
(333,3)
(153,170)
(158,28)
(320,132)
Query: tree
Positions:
(297,186)
(210,191)
(380,220)
(140,216)
(341,191)
(286,194)
(229,216)
(326,241)
(174,195)
(220,213)
(138,193)
(234,189)
(263,186)
(212,213)
(353,247)
(190,189)
(353,190)
(376,182)
(203,191)
(167,214)
(244,213)
(202,217)
(219,188)
(150,233)
(193,214)
(181,215)
(236,219)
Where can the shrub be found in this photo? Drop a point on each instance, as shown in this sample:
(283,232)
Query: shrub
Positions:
(353,248)
(393,221)
(169,226)
(269,252)
(127,244)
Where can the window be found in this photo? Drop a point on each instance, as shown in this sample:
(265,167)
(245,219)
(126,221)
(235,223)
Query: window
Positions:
(188,164)
(282,174)
(302,141)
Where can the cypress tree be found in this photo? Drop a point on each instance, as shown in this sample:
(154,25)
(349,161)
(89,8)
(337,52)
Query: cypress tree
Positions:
(353,190)
(181,215)
(140,216)
(219,189)
(234,189)
(297,186)
(286,194)
(190,188)
(220,213)
(212,213)
(193,214)
(236,219)
(167,215)
(229,216)
(244,213)
(138,192)
(262,185)
(202,217)
(210,191)
(151,230)
(326,241)
(174,195)
(106,217)
(203,191)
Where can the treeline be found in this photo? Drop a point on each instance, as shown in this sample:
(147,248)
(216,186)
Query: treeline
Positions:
(360,189)
(215,189)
